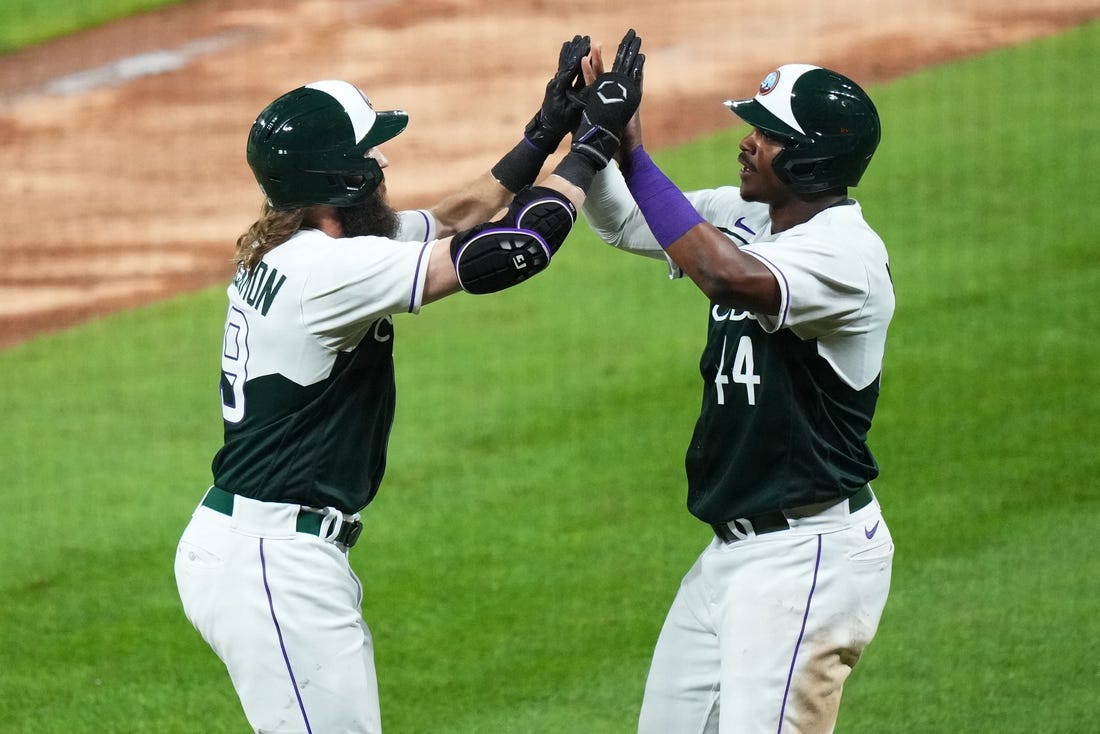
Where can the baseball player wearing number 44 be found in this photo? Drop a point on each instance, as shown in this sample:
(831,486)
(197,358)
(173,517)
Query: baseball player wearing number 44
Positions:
(770,620)
(307,378)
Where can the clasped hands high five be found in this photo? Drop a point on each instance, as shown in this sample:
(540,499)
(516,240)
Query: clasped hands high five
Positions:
(594,104)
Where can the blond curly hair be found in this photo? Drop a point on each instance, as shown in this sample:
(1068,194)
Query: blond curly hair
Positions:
(273,228)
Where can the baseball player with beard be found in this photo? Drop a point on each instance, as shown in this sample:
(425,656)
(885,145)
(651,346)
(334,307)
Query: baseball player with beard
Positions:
(770,620)
(307,381)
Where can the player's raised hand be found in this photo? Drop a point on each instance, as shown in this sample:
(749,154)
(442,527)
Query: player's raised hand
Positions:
(561,106)
(628,59)
(559,114)
(592,64)
(610,101)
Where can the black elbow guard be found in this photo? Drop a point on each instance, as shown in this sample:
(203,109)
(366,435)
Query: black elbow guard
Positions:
(497,255)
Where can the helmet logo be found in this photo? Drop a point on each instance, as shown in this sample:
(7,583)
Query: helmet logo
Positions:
(770,82)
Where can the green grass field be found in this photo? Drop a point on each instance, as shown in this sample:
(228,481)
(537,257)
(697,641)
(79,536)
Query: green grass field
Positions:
(531,531)
(26,22)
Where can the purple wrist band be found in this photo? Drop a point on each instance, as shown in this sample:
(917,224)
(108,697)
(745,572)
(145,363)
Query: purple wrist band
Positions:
(666,210)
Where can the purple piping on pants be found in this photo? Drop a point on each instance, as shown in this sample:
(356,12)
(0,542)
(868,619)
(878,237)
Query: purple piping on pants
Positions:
(801,634)
(282,645)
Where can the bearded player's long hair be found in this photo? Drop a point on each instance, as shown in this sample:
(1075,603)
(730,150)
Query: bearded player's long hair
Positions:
(273,228)
(372,216)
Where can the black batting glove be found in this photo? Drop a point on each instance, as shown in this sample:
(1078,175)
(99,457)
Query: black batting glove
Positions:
(609,103)
(561,106)
(628,58)
(560,113)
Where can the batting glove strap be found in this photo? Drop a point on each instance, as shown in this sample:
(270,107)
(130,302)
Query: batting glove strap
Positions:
(578,168)
(543,135)
(595,142)
(520,166)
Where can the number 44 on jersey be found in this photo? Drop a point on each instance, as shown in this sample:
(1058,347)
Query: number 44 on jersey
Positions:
(742,371)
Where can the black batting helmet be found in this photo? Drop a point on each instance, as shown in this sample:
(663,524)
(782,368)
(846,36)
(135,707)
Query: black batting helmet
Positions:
(829,126)
(308,146)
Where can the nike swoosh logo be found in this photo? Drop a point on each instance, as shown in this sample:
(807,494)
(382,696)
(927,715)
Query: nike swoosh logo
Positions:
(874,529)
(740,224)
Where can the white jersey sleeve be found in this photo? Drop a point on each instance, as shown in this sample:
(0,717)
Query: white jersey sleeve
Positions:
(416,225)
(345,285)
(834,281)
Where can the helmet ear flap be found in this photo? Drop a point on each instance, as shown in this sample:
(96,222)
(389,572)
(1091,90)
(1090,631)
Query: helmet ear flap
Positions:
(799,173)
(365,180)
(811,175)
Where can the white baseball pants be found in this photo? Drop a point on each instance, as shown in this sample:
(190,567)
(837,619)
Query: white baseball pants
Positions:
(282,611)
(764,631)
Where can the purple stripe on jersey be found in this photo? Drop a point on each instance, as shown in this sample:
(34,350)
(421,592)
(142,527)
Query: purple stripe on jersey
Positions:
(416,278)
(783,313)
(801,634)
(282,644)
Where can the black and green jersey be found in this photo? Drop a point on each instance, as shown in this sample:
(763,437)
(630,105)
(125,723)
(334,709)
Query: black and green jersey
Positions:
(307,380)
(777,428)
(787,400)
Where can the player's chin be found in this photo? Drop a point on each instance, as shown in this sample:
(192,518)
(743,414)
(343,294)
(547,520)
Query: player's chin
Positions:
(759,187)
(749,190)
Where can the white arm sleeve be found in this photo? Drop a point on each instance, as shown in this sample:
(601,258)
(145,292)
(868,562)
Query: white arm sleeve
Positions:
(615,218)
(820,287)
(827,270)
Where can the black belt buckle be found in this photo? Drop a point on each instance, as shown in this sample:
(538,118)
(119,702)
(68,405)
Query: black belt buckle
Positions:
(354,530)
(762,524)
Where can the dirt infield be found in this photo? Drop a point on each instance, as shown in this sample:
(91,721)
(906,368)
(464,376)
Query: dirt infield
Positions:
(122,148)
